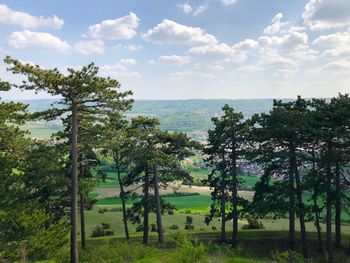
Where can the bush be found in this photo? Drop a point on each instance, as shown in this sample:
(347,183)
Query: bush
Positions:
(191,252)
(105,225)
(214,228)
(139,228)
(174,227)
(189,220)
(253,224)
(115,252)
(109,233)
(153,228)
(98,232)
(289,257)
(101,210)
(105,209)
(189,227)
(170,212)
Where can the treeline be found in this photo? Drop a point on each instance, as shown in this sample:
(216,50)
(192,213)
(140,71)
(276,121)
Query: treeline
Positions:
(304,144)
(45,184)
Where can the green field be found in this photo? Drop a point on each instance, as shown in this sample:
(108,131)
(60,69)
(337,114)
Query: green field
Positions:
(194,203)
(94,218)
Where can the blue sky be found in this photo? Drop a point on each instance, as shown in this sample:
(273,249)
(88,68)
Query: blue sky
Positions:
(161,49)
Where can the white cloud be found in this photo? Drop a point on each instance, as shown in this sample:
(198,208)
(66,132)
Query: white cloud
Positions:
(90,47)
(120,28)
(228,2)
(128,47)
(9,16)
(174,59)
(339,65)
(246,45)
(335,45)
(326,14)
(277,61)
(288,41)
(221,52)
(200,9)
(170,32)
(189,74)
(250,68)
(37,40)
(276,25)
(128,61)
(186,8)
(284,73)
(117,71)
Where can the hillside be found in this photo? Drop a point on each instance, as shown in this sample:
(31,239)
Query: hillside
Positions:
(191,116)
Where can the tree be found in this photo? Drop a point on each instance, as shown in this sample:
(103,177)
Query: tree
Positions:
(225,147)
(31,223)
(281,134)
(118,144)
(156,160)
(82,91)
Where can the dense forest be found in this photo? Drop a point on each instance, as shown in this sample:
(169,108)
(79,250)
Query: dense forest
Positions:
(48,186)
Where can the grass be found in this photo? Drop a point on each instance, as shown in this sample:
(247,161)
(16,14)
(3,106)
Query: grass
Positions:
(254,247)
(94,218)
(195,202)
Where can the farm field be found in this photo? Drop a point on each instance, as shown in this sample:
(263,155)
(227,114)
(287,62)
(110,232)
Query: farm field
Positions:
(94,218)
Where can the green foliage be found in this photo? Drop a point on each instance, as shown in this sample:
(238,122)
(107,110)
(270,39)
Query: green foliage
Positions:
(289,257)
(253,223)
(102,230)
(191,252)
(189,220)
(174,227)
(116,252)
(26,230)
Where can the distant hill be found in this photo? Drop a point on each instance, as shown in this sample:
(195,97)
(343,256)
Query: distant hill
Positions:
(192,116)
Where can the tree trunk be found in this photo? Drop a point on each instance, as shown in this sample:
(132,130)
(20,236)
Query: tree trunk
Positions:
(337,208)
(158,206)
(234,198)
(329,207)
(314,197)
(82,222)
(301,213)
(122,197)
(318,226)
(146,208)
(291,241)
(223,208)
(74,186)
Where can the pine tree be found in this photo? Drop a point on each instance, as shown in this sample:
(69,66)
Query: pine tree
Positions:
(82,92)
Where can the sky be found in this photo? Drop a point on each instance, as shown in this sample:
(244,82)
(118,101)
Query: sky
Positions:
(200,49)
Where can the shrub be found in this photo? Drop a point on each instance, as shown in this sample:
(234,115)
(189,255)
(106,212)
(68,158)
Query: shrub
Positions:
(191,252)
(98,232)
(189,227)
(105,225)
(289,257)
(253,224)
(139,228)
(174,227)
(105,209)
(115,252)
(170,212)
(189,220)
(109,233)
(214,228)
(101,211)
(153,228)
